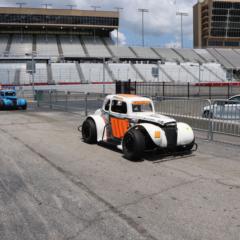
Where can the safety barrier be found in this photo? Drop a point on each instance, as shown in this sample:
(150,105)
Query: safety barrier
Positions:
(209,116)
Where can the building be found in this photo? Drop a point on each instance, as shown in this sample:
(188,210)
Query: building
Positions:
(57,21)
(216,23)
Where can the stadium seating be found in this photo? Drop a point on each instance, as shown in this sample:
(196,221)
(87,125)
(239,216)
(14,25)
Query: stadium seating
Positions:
(3,43)
(95,47)
(65,73)
(144,52)
(168,55)
(231,56)
(47,45)
(205,55)
(189,55)
(71,46)
(93,72)
(121,51)
(21,45)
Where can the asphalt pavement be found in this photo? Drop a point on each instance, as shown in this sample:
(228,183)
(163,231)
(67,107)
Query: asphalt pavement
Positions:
(53,186)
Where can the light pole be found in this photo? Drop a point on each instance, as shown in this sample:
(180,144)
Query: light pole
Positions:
(143,10)
(32,71)
(118,10)
(71,6)
(46,5)
(94,7)
(21,4)
(199,74)
(182,14)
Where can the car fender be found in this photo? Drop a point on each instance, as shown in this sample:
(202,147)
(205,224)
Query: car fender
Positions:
(185,134)
(100,126)
(7,102)
(21,102)
(153,131)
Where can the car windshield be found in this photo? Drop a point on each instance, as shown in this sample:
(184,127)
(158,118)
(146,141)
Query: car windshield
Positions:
(144,106)
(10,94)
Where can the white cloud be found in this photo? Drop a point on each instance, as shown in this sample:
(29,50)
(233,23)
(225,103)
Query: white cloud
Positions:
(121,37)
(173,44)
(160,20)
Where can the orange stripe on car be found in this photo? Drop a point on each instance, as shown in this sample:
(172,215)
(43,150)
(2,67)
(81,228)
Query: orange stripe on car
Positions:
(119,127)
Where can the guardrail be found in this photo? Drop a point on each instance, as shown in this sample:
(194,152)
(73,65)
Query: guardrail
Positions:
(77,102)
(210,116)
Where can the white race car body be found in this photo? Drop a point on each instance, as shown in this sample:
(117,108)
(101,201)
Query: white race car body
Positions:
(122,113)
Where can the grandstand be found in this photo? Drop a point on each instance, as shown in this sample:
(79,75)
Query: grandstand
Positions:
(75,47)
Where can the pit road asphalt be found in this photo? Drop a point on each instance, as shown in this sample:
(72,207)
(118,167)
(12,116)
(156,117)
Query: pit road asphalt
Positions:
(53,186)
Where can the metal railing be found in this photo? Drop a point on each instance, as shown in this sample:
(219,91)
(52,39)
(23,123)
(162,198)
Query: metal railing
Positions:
(209,116)
(70,101)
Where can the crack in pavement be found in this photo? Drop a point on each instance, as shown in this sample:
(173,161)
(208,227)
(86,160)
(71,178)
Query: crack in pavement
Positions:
(75,180)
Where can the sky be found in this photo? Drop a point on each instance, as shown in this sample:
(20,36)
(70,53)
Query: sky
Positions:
(162,26)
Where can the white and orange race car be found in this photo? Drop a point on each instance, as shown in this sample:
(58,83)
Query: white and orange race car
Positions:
(130,123)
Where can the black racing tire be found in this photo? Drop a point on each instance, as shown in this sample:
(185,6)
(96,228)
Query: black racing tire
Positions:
(207,114)
(24,107)
(134,145)
(89,131)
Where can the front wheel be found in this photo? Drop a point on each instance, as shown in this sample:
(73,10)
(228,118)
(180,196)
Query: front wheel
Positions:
(24,107)
(89,131)
(133,145)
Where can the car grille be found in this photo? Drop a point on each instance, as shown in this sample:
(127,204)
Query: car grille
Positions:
(171,135)
(14,103)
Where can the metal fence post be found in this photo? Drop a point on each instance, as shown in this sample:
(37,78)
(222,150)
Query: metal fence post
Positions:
(66,101)
(50,99)
(210,92)
(86,104)
(163,89)
(188,89)
(37,98)
(210,121)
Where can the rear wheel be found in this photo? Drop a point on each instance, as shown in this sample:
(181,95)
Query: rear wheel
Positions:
(207,114)
(134,145)
(89,131)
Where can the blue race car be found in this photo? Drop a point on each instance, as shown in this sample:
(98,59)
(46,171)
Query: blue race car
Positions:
(9,100)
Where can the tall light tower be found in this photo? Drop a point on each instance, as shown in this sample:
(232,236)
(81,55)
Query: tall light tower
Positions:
(46,5)
(118,10)
(71,6)
(182,14)
(94,7)
(143,11)
(21,4)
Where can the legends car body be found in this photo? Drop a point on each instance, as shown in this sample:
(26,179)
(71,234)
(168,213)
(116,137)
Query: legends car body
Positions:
(130,123)
(224,109)
(9,100)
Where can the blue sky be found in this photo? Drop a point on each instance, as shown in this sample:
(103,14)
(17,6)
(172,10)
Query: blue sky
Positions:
(162,26)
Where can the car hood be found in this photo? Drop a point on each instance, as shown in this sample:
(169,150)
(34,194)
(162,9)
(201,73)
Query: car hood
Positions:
(11,98)
(154,117)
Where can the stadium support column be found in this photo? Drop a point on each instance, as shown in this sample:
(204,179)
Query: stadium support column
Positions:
(21,4)
(94,30)
(181,14)
(118,10)
(143,10)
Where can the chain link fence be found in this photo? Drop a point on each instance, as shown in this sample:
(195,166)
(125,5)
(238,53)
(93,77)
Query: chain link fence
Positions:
(209,116)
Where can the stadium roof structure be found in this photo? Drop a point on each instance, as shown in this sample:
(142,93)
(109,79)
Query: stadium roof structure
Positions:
(34,18)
